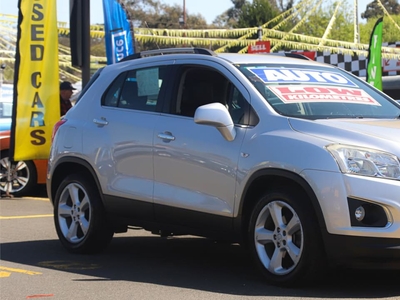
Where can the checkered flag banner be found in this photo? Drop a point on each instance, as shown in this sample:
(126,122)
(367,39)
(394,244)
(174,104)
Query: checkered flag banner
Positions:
(357,64)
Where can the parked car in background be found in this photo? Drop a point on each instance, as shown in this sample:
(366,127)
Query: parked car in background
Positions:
(6,100)
(5,124)
(391,86)
(21,177)
(17,178)
(297,160)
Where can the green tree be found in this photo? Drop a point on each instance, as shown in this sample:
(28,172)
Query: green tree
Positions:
(317,23)
(343,28)
(235,12)
(373,9)
(230,17)
(390,32)
(285,5)
(256,14)
(154,14)
(222,21)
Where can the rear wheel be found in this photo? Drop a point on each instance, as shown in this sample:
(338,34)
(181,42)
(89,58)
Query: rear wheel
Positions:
(284,238)
(79,216)
(16,177)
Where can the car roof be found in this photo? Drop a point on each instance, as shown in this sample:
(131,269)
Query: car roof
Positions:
(233,58)
(237,58)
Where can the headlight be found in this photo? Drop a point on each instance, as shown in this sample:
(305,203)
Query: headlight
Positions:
(365,161)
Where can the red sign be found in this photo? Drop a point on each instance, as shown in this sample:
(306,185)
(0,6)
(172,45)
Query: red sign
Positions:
(309,54)
(260,47)
(300,93)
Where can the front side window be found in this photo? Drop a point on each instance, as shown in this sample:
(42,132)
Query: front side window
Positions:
(136,89)
(316,92)
(238,107)
(199,86)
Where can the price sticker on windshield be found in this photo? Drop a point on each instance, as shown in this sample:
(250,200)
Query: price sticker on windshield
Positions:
(307,93)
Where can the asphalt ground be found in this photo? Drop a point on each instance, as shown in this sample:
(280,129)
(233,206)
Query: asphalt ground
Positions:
(139,265)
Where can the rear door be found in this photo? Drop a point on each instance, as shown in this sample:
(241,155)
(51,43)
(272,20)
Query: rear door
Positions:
(124,129)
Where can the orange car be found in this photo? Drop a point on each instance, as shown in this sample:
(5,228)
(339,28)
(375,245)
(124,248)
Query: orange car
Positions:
(21,177)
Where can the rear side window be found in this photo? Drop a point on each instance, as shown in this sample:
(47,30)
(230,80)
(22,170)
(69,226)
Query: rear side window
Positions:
(89,84)
(111,97)
(136,89)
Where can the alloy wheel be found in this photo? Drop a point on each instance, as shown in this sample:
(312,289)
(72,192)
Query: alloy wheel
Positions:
(74,213)
(278,237)
(14,176)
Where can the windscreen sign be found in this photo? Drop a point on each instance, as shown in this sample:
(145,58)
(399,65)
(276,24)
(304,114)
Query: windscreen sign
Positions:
(306,76)
(308,93)
(306,85)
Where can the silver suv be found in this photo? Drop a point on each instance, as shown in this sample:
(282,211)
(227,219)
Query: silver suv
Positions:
(297,160)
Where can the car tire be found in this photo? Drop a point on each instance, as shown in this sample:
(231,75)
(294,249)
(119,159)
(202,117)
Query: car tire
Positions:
(17,178)
(284,238)
(79,216)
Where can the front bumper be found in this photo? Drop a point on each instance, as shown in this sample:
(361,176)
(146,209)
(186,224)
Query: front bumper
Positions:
(346,242)
(363,252)
(333,191)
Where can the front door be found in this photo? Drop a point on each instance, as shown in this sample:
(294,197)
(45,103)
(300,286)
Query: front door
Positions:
(194,166)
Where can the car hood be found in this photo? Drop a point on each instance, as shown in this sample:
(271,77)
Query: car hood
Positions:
(377,133)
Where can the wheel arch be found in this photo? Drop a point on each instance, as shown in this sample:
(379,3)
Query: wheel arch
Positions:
(69,165)
(269,178)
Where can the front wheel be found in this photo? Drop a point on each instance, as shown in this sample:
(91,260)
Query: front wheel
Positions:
(284,238)
(79,216)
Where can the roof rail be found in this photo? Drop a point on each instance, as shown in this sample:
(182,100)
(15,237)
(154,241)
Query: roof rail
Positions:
(290,54)
(155,52)
(296,55)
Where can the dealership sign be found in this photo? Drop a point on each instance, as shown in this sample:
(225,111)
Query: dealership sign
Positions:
(260,47)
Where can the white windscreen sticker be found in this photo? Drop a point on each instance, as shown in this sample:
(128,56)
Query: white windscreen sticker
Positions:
(271,75)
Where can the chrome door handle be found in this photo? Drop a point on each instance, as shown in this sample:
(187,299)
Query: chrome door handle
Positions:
(101,122)
(166,136)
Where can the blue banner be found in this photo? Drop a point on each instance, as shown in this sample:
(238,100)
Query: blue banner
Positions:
(118,31)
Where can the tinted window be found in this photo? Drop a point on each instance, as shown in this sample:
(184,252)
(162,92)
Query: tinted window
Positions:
(237,106)
(111,97)
(136,89)
(200,86)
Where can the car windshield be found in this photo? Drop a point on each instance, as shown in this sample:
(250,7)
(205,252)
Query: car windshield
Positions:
(315,92)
